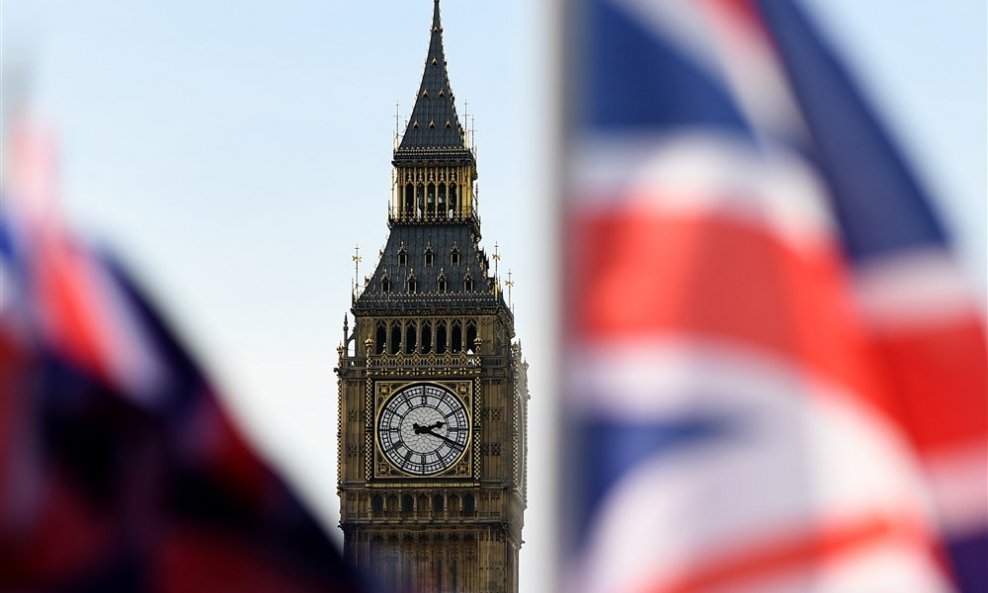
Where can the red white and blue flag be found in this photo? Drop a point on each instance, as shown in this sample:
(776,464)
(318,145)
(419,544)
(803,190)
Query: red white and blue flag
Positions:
(774,375)
(120,471)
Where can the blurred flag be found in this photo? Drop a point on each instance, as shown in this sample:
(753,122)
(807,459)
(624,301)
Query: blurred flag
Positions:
(119,469)
(774,377)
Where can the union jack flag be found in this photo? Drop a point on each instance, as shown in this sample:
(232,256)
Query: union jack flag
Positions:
(774,376)
(120,471)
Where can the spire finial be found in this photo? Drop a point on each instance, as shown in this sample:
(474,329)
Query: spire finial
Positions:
(356,268)
(436,24)
(497,259)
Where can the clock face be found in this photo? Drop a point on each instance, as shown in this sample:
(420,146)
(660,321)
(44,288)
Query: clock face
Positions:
(423,429)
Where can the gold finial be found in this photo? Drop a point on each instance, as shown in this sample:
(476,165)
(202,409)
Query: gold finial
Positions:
(497,258)
(356,267)
(510,283)
(397,123)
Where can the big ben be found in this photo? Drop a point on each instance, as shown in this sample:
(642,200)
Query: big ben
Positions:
(432,383)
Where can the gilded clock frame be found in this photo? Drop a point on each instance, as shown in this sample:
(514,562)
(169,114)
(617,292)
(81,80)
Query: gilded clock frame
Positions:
(462,469)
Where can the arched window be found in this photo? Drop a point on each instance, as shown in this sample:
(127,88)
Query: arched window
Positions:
(385,283)
(441,337)
(402,256)
(471,337)
(410,338)
(381,339)
(456,338)
(426,337)
(413,285)
(452,200)
(469,506)
(395,337)
(454,255)
(468,283)
(454,504)
(442,281)
(392,503)
(407,504)
(437,503)
(377,504)
(423,504)
(430,199)
(442,199)
(419,199)
(430,257)
(409,205)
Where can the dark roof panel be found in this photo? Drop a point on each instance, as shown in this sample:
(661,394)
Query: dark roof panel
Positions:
(405,256)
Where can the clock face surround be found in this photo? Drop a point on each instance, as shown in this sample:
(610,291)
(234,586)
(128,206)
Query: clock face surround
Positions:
(423,429)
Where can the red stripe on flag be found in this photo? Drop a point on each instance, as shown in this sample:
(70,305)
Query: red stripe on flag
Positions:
(204,561)
(941,377)
(809,553)
(215,442)
(640,274)
(66,537)
(69,308)
(741,12)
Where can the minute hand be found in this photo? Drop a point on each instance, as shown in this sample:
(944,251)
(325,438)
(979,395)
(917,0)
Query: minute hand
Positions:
(445,438)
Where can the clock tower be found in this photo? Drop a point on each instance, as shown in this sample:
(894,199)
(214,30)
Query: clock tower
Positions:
(432,384)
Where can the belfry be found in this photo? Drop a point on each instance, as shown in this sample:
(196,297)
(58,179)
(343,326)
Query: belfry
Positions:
(433,391)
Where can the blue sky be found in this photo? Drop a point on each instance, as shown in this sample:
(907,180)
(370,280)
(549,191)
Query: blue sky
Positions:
(234,154)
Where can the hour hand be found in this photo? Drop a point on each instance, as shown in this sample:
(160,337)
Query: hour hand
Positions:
(426,429)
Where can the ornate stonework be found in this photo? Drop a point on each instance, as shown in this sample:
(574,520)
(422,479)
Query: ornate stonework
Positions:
(433,314)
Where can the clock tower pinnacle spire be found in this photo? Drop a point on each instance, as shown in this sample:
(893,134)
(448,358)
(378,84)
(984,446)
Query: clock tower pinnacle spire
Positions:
(434,169)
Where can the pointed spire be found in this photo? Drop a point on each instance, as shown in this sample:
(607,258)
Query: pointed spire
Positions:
(437,25)
(427,134)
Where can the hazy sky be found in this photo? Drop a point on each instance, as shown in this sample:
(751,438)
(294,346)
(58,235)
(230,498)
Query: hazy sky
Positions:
(234,154)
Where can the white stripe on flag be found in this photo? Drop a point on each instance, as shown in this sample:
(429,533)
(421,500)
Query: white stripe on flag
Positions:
(960,478)
(912,289)
(702,174)
(680,23)
(795,457)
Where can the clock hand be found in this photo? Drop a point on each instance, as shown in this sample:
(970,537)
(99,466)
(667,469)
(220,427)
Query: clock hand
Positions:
(445,438)
(426,429)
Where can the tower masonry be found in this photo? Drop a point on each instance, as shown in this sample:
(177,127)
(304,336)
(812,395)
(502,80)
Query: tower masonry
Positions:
(433,391)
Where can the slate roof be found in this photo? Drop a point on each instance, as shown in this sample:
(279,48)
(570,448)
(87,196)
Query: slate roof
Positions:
(442,240)
(434,131)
